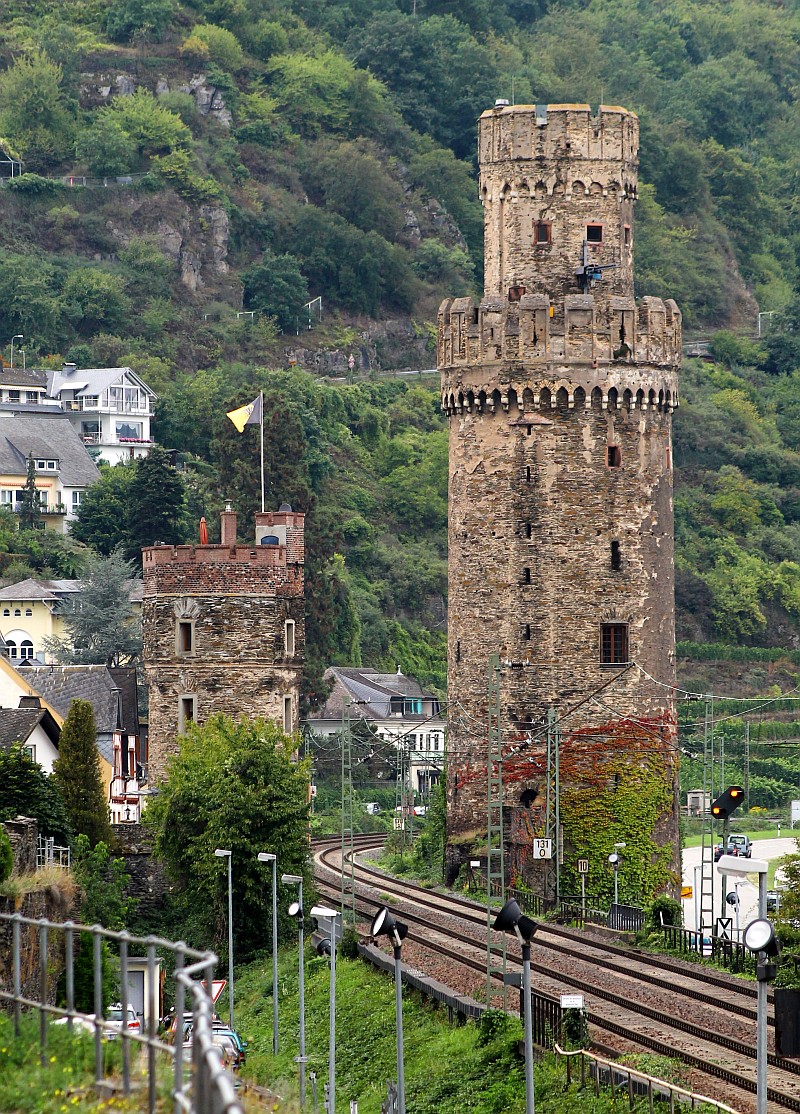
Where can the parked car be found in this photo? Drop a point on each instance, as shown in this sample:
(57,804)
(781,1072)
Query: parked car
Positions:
(220,1027)
(772,901)
(740,845)
(113,1022)
(420,810)
(719,851)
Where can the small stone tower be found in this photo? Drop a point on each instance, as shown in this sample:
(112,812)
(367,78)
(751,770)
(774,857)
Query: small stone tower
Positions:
(224,630)
(560,389)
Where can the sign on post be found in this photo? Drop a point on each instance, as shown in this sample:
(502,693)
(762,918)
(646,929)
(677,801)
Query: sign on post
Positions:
(725,928)
(583,866)
(572,1001)
(542,848)
(686,892)
(399,823)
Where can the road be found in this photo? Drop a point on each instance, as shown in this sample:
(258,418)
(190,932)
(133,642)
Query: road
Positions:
(748,891)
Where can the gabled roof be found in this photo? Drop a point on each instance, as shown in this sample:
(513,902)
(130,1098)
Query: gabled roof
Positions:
(54,590)
(93,380)
(45,436)
(59,685)
(18,724)
(370,692)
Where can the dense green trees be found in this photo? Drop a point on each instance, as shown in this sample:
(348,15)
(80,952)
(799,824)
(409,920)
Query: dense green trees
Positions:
(26,790)
(233,785)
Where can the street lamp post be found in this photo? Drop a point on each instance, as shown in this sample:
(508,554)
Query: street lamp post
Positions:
(17,336)
(385,925)
(323,913)
(223,854)
(296,910)
(266,857)
(512,919)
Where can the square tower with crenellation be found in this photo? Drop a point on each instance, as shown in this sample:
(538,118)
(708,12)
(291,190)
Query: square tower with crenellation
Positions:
(223,630)
(560,389)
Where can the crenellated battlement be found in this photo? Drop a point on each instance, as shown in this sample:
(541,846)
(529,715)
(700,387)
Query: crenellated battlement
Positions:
(570,343)
(559,133)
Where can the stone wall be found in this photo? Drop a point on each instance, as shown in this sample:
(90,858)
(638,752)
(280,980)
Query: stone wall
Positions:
(149,883)
(23,833)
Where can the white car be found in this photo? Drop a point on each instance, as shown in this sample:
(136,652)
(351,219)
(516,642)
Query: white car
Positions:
(113,1022)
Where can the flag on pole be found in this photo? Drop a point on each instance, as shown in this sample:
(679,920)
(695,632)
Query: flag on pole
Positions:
(247,415)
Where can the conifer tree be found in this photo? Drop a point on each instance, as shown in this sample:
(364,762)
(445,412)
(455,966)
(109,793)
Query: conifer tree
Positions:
(77,773)
(30,507)
(156,504)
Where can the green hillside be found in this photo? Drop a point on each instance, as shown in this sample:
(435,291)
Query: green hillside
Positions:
(249,155)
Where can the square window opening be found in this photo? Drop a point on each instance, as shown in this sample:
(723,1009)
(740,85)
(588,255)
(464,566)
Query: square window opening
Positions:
(614,644)
(594,233)
(613,456)
(542,233)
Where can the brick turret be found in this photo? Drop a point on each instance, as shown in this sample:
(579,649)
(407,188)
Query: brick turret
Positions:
(560,390)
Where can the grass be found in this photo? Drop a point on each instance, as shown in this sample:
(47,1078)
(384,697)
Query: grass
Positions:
(469,1069)
(53,878)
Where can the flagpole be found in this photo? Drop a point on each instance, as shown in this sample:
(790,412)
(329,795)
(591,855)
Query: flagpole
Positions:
(261,399)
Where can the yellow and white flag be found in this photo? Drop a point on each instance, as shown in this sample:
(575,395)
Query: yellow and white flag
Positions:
(247,415)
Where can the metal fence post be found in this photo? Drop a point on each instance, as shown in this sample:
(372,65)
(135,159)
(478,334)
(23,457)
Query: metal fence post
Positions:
(180,952)
(97,969)
(15,949)
(69,962)
(151,999)
(123,1001)
(43,991)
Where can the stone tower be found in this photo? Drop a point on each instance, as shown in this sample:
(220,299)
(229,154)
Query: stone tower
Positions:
(223,630)
(559,389)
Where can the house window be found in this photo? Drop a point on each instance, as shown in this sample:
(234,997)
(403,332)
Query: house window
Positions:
(12,648)
(616,556)
(542,232)
(76,499)
(32,396)
(29,750)
(613,456)
(184,638)
(614,644)
(187,712)
(6,498)
(129,431)
(6,611)
(288,724)
(26,649)
(41,464)
(13,396)
(90,402)
(594,233)
(51,465)
(288,638)
(28,611)
(17,611)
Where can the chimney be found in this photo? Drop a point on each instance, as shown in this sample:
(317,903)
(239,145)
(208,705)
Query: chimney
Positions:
(30,702)
(228,526)
(68,369)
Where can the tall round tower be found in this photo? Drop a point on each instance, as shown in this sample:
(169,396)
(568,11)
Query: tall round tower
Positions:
(560,389)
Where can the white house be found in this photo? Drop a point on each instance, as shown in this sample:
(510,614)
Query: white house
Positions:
(110,409)
(397,709)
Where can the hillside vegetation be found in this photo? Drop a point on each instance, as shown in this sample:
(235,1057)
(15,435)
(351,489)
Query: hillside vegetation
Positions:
(250,154)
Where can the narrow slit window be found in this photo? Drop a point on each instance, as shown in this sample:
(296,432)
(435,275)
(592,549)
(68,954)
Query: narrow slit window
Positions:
(528,529)
(613,456)
(627,233)
(528,474)
(458,651)
(187,712)
(614,644)
(526,632)
(185,637)
(616,556)
(288,638)
(526,576)
(288,724)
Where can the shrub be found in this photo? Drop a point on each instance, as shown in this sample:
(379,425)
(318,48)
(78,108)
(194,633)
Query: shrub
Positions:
(179,170)
(667,907)
(35,184)
(151,127)
(106,147)
(349,945)
(6,855)
(95,298)
(217,45)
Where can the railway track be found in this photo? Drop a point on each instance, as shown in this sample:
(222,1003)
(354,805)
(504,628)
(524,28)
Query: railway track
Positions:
(701,1042)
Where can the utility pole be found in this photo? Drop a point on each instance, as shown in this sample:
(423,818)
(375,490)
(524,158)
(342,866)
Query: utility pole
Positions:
(747,766)
(495,845)
(347,811)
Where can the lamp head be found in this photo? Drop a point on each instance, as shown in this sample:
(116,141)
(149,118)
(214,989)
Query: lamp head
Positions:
(221,853)
(759,936)
(291,879)
(265,857)
(512,919)
(613,858)
(295,909)
(323,912)
(385,924)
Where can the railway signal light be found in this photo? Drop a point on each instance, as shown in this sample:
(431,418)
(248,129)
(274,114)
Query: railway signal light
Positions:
(727,802)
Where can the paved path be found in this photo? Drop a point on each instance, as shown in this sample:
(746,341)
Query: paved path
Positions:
(748,890)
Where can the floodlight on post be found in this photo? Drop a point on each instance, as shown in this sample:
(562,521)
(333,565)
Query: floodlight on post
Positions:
(323,913)
(512,919)
(266,857)
(615,859)
(385,924)
(221,853)
(296,910)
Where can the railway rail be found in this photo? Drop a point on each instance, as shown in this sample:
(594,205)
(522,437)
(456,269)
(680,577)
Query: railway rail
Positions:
(617,1008)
